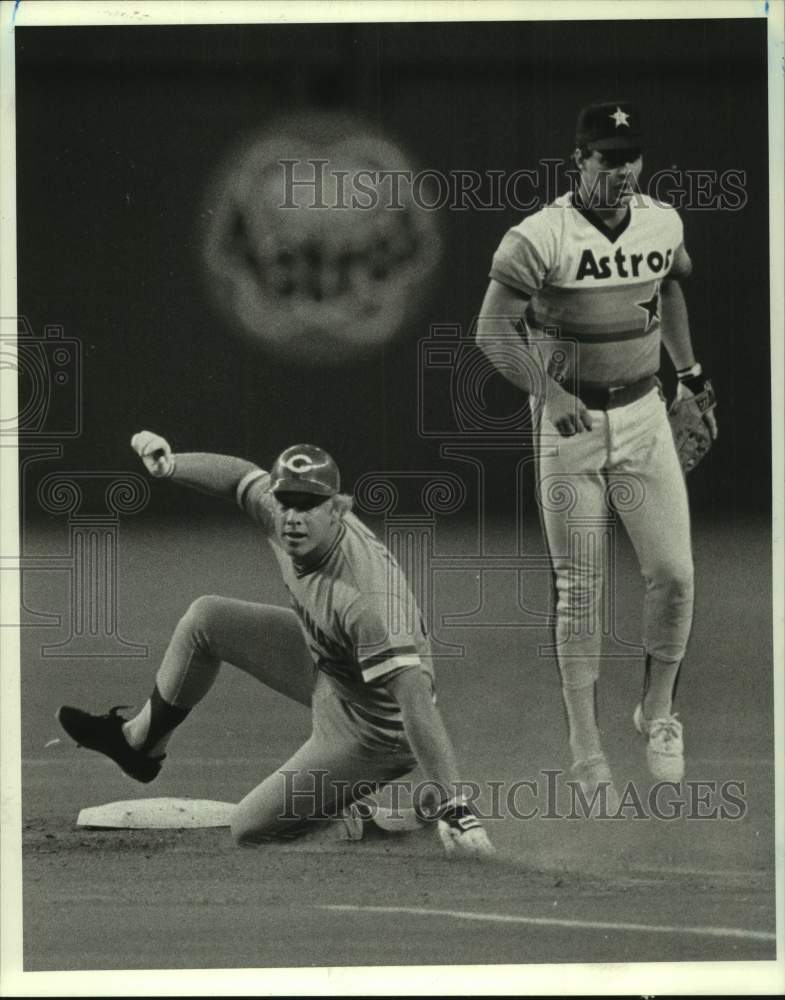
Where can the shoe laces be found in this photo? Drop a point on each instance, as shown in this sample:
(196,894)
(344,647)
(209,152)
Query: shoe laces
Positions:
(666,730)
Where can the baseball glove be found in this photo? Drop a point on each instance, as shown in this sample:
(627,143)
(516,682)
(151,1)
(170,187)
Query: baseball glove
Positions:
(691,433)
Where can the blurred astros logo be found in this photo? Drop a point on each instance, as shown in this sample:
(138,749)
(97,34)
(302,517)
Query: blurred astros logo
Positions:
(313,244)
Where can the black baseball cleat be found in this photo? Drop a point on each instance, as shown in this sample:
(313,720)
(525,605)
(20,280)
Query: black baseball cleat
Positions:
(104,733)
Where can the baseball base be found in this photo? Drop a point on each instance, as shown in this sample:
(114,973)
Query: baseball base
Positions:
(156,814)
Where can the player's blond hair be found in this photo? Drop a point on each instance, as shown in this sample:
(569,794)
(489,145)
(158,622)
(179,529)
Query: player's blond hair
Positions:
(342,503)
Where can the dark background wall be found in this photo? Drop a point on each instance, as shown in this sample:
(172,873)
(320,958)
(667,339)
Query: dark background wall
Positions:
(119,131)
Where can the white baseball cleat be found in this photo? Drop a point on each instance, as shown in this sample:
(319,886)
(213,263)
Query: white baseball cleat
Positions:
(595,779)
(664,745)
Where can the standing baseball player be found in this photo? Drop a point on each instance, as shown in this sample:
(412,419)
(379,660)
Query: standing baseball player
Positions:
(581,295)
(352,648)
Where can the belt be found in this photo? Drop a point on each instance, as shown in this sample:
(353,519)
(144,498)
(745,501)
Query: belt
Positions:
(596,397)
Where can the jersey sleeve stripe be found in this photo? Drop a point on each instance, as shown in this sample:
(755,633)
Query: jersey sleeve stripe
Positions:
(386,722)
(505,278)
(385,654)
(245,482)
(388,665)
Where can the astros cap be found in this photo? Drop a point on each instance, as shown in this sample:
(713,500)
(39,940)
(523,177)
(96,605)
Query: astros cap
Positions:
(305,468)
(609,125)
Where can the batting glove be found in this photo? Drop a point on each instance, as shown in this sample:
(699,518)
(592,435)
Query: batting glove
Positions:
(155,452)
(461,833)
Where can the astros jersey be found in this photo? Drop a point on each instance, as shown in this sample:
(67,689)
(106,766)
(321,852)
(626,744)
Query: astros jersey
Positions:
(595,287)
(359,618)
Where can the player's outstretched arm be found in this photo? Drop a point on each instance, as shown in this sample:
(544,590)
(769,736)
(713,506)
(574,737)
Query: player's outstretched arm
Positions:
(459,829)
(218,475)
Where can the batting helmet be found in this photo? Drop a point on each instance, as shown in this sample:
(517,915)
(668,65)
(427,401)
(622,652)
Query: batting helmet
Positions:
(305,468)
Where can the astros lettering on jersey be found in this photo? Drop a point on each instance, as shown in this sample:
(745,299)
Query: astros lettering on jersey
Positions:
(356,611)
(597,286)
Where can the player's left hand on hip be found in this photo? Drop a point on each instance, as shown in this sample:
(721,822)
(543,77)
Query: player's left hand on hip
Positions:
(462,834)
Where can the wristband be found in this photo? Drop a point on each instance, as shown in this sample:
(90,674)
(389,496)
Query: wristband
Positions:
(696,383)
(457,814)
(692,372)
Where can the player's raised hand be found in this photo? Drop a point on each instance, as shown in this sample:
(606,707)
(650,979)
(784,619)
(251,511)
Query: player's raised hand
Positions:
(461,833)
(566,412)
(155,452)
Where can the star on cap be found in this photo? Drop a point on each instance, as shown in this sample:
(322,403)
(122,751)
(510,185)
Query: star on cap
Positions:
(620,117)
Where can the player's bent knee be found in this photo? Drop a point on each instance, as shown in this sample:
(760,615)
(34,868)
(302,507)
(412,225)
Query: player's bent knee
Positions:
(204,606)
(201,611)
